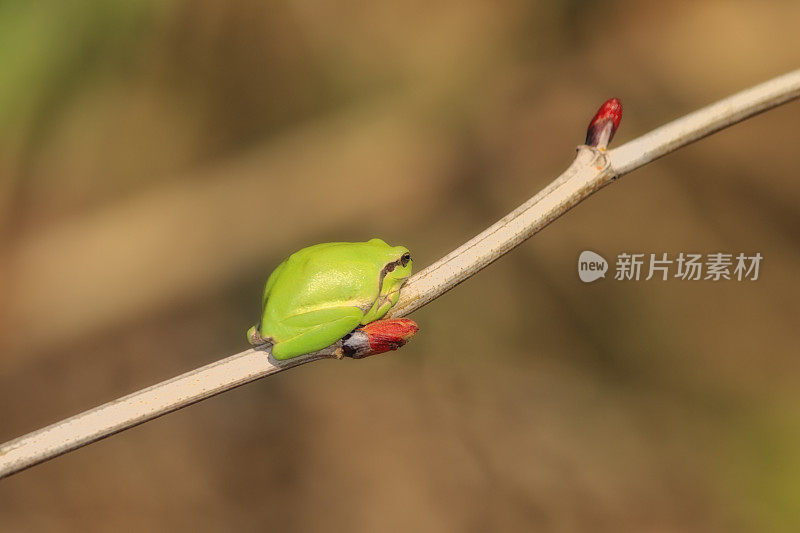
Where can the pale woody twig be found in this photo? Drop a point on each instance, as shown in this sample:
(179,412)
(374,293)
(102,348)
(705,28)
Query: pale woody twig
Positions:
(138,407)
(705,121)
(592,169)
(589,172)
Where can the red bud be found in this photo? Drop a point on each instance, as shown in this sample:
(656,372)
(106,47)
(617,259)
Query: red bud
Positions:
(378,337)
(604,124)
(386,335)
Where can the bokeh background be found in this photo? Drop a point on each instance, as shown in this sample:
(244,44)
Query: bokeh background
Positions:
(159,158)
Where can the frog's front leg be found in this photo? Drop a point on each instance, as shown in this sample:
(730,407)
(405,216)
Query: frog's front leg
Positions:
(308,332)
(381,307)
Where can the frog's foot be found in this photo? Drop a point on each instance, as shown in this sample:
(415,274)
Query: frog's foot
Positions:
(254,337)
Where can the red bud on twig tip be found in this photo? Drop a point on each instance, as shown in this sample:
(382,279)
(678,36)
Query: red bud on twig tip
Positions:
(604,124)
(378,337)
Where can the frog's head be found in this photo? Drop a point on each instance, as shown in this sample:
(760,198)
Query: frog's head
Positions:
(397,270)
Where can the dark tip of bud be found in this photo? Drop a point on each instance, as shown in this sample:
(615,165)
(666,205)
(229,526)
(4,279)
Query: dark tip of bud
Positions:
(604,124)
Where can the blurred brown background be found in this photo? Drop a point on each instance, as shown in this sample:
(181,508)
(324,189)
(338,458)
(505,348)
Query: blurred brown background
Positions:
(157,159)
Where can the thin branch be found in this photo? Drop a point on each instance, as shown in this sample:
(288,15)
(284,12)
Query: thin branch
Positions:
(705,121)
(593,168)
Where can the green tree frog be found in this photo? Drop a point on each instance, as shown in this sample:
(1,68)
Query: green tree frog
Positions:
(322,292)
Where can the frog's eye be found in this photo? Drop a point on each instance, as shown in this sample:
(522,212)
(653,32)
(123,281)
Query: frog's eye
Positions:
(390,267)
(405,259)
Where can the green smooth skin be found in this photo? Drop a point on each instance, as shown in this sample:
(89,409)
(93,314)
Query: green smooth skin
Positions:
(323,292)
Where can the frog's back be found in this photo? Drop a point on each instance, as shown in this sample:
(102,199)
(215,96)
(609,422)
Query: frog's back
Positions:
(325,276)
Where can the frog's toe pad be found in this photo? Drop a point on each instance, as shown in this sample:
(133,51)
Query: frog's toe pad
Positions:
(254,337)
